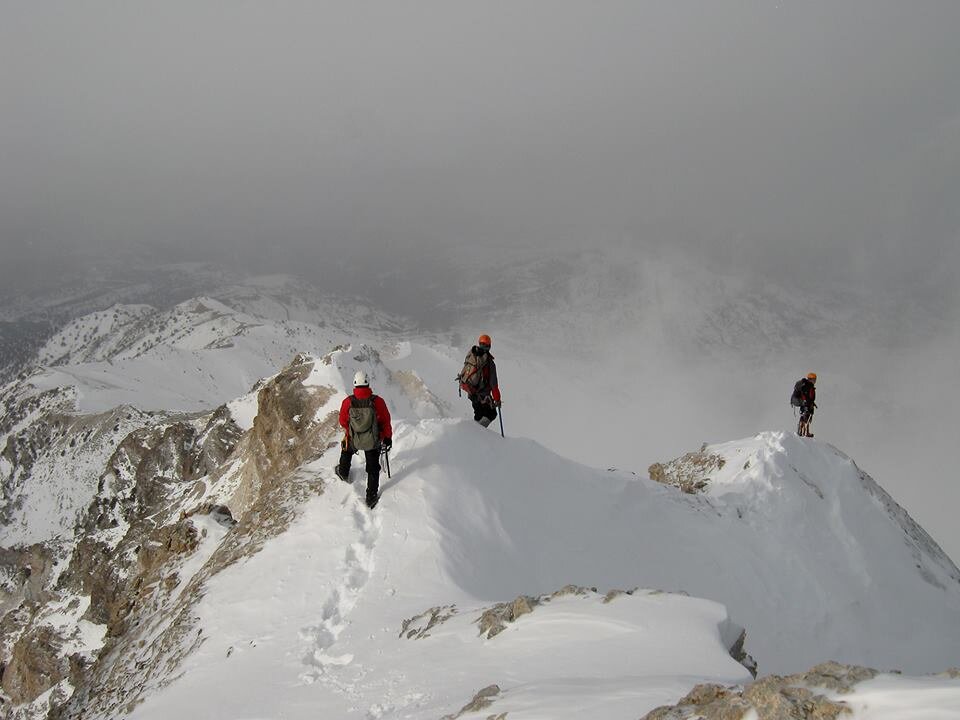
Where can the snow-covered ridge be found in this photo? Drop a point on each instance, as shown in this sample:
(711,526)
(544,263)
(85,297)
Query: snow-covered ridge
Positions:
(216,548)
(198,354)
(125,305)
(385,609)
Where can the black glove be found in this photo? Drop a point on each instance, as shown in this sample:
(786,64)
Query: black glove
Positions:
(386,444)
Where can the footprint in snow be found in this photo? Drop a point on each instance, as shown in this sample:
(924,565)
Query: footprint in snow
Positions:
(357,569)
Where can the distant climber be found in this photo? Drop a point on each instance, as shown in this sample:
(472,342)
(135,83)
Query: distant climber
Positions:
(804,397)
(478,379)
(365,420)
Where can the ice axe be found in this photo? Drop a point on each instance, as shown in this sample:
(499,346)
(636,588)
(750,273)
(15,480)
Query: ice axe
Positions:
(386,459)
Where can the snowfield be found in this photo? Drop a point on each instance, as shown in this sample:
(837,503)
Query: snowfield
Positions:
(497,577)
(798,545)
(318,617)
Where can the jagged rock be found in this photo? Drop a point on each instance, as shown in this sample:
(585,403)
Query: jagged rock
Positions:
(739,653)
(690,473)
(28,421)
(571,590)
(127,549)
(707,702)
(95,570)
(367,354)
(159,548)
(278,444)
(216,442)
(419,626)
(25,573)
(614,594)
(35,665)
(836,676)
(494,620)
(774,697)
(482,700)
(775,701)
(198,465)
(282,442)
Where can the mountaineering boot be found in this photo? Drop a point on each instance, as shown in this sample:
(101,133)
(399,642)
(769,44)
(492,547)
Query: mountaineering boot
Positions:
(345,476)
(485,421)
(372,501)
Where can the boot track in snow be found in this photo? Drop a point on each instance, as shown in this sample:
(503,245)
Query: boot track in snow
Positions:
(357,567)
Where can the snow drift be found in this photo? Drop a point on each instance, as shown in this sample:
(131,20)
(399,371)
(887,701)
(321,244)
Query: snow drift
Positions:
(798,544)
(210,564)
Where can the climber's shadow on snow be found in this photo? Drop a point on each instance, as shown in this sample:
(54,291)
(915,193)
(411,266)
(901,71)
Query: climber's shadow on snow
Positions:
(398,474)
(405,468)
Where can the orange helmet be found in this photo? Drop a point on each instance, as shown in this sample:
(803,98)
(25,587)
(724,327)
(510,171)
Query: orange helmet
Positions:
(812,376)
(484,340)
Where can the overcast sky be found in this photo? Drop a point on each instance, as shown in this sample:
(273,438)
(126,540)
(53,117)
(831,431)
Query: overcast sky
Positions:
(817,134)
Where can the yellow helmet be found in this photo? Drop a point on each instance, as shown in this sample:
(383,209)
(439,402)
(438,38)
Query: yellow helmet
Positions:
(812,376)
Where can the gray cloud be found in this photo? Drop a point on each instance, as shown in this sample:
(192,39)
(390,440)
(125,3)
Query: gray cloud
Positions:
(793,135)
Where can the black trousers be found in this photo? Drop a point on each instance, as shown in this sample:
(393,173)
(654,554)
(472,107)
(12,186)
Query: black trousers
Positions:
(373,468)
(806,413)
(483,407)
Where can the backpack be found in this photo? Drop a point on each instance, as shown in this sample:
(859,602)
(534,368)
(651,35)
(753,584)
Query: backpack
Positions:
(364,431)
(471,376)
(796,400)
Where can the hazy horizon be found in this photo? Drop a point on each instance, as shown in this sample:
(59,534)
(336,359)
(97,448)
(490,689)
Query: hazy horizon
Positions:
(410,152)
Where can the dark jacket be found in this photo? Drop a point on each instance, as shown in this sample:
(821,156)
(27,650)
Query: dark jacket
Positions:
(808,393)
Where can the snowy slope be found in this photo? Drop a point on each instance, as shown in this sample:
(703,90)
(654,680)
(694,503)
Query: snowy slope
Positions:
(787,538)
(192,357)
(672,349)
(803,550)
(322,625)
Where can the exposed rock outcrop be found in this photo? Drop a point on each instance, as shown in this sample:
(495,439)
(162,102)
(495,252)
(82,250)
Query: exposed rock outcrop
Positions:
(161,480)
(494,619)
(24,573)
(690,473)
(794,697)
(481,701)
(419,626)
(35,664)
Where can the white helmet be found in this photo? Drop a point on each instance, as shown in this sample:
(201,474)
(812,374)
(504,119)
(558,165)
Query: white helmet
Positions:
(360,379)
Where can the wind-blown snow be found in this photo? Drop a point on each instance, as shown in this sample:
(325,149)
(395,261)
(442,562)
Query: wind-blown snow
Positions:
(892,697)
(787,538)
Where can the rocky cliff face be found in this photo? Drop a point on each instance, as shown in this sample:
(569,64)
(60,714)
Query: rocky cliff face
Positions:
(98,610)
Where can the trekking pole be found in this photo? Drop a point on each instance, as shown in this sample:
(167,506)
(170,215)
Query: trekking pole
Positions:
(386,457)
(500,415)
